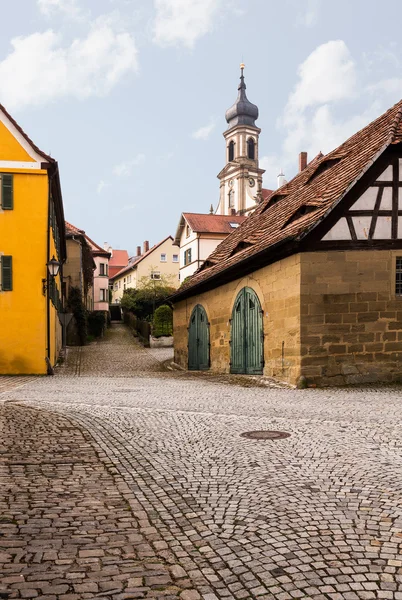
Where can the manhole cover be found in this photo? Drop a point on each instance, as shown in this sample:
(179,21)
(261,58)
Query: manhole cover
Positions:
(265,435)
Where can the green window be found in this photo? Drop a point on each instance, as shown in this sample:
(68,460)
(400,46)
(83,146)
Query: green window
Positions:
(7,195)
(6,273)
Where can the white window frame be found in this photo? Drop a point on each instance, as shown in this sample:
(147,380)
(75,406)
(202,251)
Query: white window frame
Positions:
(156,275)
(175,258)
(163,257)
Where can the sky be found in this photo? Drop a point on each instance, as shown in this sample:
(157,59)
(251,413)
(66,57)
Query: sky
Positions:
(129,96)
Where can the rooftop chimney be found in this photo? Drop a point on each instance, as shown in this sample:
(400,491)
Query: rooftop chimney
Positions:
(281,179)
(146,246)
(138,250)
(233,212)
(107,247)
(302,161)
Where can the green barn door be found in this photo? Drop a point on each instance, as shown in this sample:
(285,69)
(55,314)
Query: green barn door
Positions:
(198,340)
(247,339)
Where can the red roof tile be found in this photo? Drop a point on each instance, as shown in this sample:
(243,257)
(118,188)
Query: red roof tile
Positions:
(95,249)
(318,188)
(137,259)
(202,223)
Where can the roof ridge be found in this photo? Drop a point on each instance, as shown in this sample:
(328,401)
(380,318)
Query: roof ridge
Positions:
(396,122)
(26,136)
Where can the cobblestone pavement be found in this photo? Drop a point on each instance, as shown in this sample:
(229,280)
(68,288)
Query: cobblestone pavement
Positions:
(69,528)
(8,382)
(316,515)
(117,354)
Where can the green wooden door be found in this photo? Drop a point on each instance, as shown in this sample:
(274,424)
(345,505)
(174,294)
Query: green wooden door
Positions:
(198,340)
(247,337)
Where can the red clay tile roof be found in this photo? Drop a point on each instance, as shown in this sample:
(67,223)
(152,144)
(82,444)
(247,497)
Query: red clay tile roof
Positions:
(117,261)
(266,193)
(95,249)
(73,230)
(315,191)
(137,259)
(202,223)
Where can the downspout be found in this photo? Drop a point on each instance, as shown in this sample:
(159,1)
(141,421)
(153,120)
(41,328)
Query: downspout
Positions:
(48,361)
(198,251)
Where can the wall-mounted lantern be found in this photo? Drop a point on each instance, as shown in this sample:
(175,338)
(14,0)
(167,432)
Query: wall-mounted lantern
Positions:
(53,266)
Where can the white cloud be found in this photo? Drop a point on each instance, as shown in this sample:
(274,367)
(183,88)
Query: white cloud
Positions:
(124,169)
(329,83)
(309,17)
(40,69)
(327,75)
(101,186)
(204,132)
(69,8)
(182,22)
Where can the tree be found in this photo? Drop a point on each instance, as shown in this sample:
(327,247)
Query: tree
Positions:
(148,296)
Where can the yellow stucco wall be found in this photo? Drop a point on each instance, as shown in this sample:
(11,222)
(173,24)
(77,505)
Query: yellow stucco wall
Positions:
(23,235)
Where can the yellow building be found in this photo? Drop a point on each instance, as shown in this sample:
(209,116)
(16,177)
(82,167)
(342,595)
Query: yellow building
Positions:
(156,263)
(31,234)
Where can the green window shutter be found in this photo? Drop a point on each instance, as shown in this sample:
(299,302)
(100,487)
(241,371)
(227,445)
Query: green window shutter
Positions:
(7,192)
(6,273)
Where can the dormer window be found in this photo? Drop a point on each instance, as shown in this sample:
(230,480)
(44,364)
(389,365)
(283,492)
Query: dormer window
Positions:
(251,148)
(231,151)
(241,246)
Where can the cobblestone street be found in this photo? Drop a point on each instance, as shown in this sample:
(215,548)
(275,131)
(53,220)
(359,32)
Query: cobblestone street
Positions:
(137,483)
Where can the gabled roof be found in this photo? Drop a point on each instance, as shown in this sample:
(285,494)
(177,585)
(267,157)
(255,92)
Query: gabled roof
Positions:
(207,223)
(26,137)
(137,259)
(119,258)
(95,249)
(292,211)
(53,169)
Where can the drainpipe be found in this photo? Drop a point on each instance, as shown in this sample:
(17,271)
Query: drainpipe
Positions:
(48,276)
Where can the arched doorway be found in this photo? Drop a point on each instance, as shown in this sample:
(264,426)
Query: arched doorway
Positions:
(247,335)
(198,340)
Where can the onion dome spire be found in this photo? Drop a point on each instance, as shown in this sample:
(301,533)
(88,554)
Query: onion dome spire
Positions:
(243,112)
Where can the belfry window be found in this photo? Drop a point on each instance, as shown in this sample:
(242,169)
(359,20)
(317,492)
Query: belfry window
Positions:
(231,151)
(251,148)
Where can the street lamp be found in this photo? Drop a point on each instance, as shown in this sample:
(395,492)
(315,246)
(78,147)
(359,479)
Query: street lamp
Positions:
(53,267)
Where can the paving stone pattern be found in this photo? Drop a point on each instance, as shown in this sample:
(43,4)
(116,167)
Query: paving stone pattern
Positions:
(316,515)
(68,527)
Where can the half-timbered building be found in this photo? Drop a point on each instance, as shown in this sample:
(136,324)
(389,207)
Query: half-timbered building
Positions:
(309,287)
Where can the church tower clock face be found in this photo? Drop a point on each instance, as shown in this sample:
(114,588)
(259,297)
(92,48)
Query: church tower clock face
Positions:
(241,177)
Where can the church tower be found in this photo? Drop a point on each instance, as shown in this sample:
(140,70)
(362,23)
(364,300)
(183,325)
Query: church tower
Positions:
(241,178)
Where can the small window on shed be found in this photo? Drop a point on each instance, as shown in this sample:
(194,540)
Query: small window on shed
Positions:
(322,167)
(273,200)
(241,246)
(398,276)
(305,209)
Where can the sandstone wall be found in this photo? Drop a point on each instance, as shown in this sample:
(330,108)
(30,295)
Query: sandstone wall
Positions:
(278,288)
(351,320)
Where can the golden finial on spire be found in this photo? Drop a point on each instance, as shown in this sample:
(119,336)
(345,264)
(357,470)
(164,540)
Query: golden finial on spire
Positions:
(242,65)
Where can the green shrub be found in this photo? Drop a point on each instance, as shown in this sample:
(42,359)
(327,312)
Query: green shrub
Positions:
(96,323)
(76,306)
(163,321)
